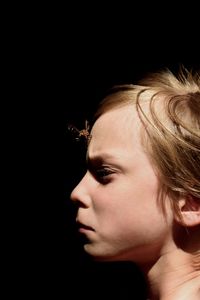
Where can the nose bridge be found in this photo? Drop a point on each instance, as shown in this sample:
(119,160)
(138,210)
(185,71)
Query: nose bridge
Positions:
(81,193)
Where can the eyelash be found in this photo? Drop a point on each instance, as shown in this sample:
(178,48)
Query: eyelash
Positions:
(102,174)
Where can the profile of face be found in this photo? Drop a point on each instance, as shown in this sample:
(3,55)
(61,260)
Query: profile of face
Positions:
(118,208)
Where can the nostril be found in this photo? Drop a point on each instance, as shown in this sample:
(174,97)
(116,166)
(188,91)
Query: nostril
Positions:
(78,203)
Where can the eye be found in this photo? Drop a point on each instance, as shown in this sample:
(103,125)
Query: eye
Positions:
(102,175)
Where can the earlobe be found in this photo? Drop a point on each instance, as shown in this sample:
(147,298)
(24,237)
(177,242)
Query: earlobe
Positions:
(189,211)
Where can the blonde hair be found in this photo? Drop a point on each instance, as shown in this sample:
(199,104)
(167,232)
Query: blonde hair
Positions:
(173,138)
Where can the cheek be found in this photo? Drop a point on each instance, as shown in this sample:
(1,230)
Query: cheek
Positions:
(128,221)
(127,193)
(125,206)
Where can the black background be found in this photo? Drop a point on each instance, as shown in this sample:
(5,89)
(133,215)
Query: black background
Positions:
(61,68)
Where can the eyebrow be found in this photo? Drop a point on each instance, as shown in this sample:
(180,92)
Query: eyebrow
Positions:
(98,159)
(104,158)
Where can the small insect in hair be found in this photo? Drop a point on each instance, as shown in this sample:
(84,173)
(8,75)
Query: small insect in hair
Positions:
(80,133)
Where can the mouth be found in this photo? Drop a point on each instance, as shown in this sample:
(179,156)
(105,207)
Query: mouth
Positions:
(83,227)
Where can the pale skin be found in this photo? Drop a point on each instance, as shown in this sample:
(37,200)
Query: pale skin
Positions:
(118,201)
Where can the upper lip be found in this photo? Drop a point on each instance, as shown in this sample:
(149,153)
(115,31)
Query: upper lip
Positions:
(79,224)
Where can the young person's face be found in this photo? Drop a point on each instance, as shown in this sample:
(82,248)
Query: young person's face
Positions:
(118,194)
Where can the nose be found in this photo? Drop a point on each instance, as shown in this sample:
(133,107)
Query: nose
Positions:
(80,193)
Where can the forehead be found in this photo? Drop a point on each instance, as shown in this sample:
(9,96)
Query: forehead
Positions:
(117,128)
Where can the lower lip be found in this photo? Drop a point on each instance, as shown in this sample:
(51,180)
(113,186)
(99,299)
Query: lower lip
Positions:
(84,230)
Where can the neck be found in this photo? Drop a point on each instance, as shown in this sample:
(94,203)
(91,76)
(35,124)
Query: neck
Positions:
(173,277)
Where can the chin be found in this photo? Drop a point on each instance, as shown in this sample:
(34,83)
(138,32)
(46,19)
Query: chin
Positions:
(103,254)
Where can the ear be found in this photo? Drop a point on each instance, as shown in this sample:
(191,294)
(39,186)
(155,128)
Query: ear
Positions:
(189,210)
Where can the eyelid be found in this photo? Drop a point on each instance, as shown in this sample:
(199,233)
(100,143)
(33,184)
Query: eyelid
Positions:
(94,165)
(104,169)
(101,171)
(103,174)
